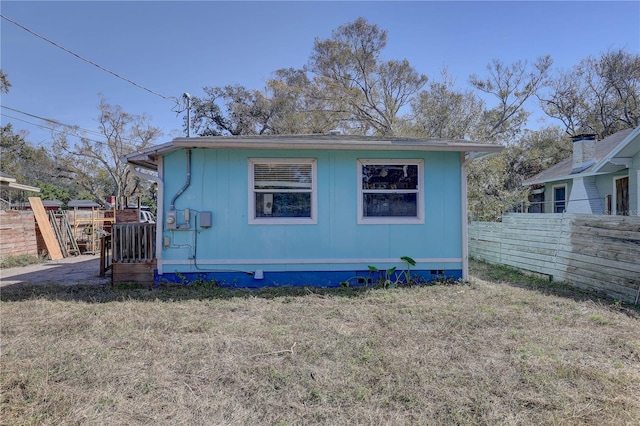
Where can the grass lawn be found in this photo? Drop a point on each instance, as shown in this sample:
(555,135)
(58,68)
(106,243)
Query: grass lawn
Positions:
(502,349)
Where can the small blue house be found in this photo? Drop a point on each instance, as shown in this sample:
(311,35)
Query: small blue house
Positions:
(252,211)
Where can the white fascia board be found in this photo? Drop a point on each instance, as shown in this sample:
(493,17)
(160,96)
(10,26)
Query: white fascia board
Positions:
(18,187)
(148,157)
(336,145)
(611,157)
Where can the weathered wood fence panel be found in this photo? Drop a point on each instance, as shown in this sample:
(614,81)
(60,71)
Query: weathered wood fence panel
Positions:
(17,234)
(596,253)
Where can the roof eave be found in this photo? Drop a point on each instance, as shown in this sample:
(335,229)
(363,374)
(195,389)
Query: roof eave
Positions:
(618,156)
(18,187)
(559,178)
(148,158)
(342,144)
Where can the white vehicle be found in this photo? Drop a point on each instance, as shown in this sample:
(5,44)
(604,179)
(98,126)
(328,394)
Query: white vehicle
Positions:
(147,217)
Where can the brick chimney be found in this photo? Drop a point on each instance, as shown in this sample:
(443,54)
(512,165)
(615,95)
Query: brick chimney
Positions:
(584,152)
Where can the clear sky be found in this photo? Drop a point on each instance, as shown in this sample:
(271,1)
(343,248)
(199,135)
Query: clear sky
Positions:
(175,47)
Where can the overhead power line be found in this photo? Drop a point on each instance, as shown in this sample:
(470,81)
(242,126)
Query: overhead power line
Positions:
(51,120)
(171,98)
(53,129)
(31,115)
(57,122)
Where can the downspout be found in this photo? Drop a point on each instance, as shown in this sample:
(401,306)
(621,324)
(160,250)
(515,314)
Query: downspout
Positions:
(186,184)
(464,213)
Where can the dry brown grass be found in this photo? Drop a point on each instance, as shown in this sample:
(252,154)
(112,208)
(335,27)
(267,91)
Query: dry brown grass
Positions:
(508,351)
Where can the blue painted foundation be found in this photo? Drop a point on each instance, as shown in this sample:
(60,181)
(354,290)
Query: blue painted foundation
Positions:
(296,278)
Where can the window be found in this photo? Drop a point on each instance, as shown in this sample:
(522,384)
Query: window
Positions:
(559,199)
(282,190)
(390,191)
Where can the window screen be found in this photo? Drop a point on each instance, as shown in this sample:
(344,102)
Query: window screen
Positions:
(282,189)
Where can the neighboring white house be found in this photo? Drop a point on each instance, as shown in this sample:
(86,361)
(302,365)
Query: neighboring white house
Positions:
(602,177)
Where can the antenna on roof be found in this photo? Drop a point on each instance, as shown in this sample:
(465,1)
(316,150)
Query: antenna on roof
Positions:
(188,99)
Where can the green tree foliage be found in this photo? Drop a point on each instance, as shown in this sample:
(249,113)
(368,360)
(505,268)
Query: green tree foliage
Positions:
(30,165)
(540,150)
(366,91)
(22,160)
(495,183)
(4,82)
(296,106)
(11,147)
(346,85)
(350,87)
(49,191)
(97,166)
(444,112)
(289,105)
(600,95)
(230,110)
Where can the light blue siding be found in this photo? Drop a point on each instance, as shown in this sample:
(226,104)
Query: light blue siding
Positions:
(219,184)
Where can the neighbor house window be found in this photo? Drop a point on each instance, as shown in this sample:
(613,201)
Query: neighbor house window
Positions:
(559,199)
(390,191)
(282,190)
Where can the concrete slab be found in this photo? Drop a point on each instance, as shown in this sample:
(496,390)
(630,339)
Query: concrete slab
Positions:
(73,270)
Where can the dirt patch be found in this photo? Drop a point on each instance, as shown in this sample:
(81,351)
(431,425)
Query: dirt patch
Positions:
(83,269)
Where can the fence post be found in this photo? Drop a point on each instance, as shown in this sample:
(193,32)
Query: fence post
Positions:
(102,255)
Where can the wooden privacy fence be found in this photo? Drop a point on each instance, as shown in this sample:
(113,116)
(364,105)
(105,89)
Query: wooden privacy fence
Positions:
(17,234)
(595,253)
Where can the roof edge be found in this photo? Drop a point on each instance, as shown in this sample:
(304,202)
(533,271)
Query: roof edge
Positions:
(147,158)
(614,152)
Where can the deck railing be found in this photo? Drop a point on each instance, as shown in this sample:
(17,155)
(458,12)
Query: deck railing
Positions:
(106,258)
(133,242)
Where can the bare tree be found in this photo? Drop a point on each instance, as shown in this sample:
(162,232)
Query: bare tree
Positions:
(512,85)
(96,163)
(599,95)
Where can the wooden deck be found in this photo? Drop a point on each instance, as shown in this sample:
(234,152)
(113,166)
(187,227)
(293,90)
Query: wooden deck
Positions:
(129,252)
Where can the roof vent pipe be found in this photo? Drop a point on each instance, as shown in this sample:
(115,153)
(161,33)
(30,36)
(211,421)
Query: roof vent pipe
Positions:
(584,152)
(186,184)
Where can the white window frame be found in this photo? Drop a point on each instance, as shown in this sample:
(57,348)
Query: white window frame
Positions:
(387,220)
(253,220)
(566,197)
